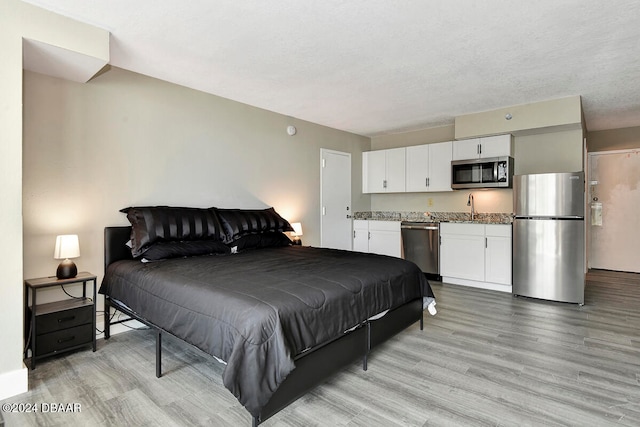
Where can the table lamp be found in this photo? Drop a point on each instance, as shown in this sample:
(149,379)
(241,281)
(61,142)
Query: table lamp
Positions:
(67,246)
(297,232)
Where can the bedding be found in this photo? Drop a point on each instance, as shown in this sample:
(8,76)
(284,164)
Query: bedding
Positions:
(165,250)
(261,308)
(260,240)
(239,222)
(152,224)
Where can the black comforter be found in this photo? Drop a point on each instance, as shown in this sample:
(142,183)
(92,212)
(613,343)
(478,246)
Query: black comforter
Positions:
(259,309)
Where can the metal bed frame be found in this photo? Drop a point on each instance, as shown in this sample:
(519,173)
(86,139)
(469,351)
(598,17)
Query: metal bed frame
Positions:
(312,368)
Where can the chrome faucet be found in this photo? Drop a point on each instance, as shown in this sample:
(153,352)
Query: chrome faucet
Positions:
(471,203)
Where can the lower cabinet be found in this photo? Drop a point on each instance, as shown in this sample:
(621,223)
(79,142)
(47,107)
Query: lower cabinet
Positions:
(360,235)
(378,237)
(462,251)
(477,255)
(497,263)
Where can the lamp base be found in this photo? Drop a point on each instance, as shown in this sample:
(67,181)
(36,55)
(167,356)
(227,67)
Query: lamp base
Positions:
(66,270)
(296,242)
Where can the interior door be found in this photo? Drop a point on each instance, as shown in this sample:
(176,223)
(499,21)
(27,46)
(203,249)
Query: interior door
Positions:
(614,210)
(335,199)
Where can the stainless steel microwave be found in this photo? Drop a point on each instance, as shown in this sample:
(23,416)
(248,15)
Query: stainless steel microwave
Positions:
(495,172)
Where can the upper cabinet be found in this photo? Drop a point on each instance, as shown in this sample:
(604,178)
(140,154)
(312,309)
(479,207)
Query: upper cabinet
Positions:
(482,148)
(429,167)
(383,171)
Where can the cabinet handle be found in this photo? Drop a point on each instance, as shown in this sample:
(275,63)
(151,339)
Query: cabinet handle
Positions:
(368,235)
(384,183)
(480,148)
(486,243)
(428,182)
(66,319)
(60,341)
(354,234)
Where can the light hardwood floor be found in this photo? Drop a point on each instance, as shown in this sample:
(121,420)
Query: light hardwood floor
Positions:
(487,358)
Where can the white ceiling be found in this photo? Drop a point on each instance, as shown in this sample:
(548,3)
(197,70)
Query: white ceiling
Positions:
(381,66)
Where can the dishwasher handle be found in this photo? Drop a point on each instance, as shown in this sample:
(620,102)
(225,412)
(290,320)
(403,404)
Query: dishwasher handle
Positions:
(419,227)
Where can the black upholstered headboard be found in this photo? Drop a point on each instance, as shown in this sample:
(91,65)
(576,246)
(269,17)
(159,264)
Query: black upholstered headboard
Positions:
(115,244)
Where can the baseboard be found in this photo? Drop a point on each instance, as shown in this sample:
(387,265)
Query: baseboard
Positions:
(475,284)
(14,383)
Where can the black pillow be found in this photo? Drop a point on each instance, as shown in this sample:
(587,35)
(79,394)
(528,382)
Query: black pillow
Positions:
(240,222)
(268,239)
(151,224)
(166,250)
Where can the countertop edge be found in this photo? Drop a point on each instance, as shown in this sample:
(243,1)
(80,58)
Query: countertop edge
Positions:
(453,217)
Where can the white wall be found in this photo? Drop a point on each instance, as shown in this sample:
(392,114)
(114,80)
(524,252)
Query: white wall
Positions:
(125,139)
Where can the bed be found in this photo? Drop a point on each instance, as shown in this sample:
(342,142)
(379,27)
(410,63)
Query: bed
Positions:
(282,318)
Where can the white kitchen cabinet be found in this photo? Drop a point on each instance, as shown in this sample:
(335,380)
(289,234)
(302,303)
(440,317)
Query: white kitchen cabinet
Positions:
(462,251)
(361,235)
(379,237)
(477,255)
(428,167)
(383,171)
(483,148)
(374,171)
(384,238)
(465,149)
(498,254)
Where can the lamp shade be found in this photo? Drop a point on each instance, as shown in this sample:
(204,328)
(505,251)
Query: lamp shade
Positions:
(67,246)
(297,228)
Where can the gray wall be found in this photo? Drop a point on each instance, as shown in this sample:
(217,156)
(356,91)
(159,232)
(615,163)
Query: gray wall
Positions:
(20,21)
(549,152)
(125,139)
(614,139)
(407,139)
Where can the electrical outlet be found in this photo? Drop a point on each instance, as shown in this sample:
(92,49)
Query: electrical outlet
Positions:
(429,202)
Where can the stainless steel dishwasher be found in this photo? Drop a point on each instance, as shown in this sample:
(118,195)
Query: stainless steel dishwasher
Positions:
(421,244)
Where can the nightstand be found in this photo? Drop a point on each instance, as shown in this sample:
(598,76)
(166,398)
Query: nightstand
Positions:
(60,326)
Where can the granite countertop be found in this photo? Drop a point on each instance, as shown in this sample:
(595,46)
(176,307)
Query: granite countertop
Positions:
(462,217)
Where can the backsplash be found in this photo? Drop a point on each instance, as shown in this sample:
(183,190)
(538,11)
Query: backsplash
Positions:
(494,218)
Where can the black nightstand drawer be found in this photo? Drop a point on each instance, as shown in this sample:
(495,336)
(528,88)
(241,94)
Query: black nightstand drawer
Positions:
(62,315)
(62,340)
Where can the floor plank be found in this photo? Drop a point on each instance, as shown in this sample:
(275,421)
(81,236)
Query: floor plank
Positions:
(486,359)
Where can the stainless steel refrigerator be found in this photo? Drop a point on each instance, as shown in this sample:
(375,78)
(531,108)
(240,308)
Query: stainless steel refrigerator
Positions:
(549,236)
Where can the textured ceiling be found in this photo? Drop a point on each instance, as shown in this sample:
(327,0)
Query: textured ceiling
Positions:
(380,66)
